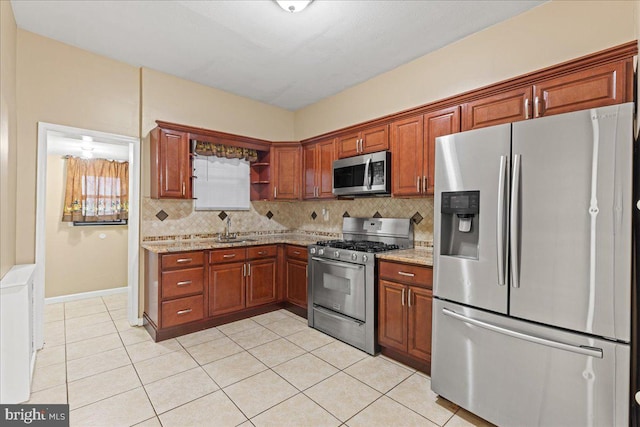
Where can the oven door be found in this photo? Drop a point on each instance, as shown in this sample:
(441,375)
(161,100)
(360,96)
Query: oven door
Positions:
(339,286)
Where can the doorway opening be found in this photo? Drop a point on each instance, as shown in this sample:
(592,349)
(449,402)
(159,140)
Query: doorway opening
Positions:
(55,141)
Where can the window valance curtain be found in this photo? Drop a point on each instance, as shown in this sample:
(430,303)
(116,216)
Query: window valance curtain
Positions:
(225,151)
(96,190)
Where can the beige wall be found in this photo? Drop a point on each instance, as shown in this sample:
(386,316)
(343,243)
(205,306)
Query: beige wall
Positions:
(61,84)
(554,32)
(78,259)
(8,146)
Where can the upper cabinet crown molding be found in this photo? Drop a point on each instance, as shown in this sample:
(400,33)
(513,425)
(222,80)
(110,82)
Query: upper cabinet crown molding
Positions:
(217,137)
(623,53)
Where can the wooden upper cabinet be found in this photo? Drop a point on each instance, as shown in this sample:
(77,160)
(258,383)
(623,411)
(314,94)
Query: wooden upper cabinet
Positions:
(592,87)
(437,123)
(595,87)
(170,165)
(506,107)
(366,141)
(317,160)
(309,161)
(286,159)
(413,150)
(407,144)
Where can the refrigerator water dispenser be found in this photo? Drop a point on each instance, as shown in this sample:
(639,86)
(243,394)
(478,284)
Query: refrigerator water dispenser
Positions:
(459,228)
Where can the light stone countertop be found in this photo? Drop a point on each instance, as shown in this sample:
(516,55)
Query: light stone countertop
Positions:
(418,255)
(170,246)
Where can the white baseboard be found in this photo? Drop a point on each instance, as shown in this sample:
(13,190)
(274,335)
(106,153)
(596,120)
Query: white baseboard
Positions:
(85,295)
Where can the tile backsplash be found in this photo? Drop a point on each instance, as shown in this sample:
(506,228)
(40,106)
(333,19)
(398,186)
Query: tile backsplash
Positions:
(324,216)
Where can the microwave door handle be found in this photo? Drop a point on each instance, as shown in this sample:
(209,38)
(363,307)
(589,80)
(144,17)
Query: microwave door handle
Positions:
(367,173)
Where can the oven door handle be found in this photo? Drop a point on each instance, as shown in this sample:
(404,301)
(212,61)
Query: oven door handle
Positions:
(338,264)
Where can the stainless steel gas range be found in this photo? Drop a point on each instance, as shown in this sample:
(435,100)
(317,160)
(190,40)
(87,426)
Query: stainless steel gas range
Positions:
(342,278)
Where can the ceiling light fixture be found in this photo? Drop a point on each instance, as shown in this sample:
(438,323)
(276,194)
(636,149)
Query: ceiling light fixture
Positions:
(293,6)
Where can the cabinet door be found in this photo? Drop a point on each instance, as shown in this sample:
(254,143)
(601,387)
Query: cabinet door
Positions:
(374,139)
(419,301)
(171,165)
(392,315)
(349,145)
(438,123)
(326,154)
(406,156)
(595,87)
(226,288)
(287,172)
(296,282)
(309,160)
(261,282)
(507,107)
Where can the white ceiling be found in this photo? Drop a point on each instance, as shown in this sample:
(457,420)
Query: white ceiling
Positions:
(73,145)
(255,49)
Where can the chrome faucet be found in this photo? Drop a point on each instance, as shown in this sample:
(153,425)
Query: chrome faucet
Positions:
(227,232)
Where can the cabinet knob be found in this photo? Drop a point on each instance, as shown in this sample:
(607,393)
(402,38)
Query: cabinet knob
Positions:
(184,283)
(409,298)
(228,255)
(403,273)
(526,108)
(182,312)
(536,106)
(403,297)
(425,181)
(183,260)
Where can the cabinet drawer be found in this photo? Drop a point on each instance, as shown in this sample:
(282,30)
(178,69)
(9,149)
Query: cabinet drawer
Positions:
(297,252)
(183,310)
(182,282)
(269,251)
(185,259)
(227,255)
(406,273)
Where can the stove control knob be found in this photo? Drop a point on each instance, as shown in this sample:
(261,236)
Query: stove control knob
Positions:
(354,256)
(337,254)
(312,250)
(320,251)
(364,258)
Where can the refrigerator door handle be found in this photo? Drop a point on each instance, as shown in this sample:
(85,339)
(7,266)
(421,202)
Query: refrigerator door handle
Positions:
(584,350)
(500,221)
(515,222)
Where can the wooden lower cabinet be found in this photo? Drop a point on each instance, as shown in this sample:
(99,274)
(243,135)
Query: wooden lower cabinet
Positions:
(247,281)
(404,313)
(189,291)
(419,320)
(296,275)
(174,289)
(261,282)
(226,288)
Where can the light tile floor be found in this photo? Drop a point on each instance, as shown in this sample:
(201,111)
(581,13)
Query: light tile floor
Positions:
(270,370)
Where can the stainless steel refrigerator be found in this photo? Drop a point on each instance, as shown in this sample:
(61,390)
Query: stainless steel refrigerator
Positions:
(532,318)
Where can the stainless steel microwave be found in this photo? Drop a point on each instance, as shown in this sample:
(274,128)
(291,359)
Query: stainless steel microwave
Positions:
(367,174)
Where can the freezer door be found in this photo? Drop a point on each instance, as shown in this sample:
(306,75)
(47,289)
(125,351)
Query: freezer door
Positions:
(571,221)
(515,373)
(473,161)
